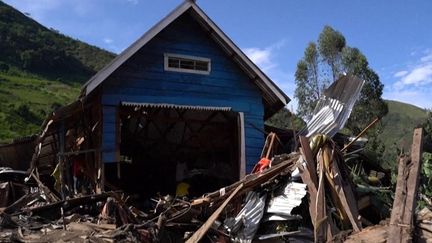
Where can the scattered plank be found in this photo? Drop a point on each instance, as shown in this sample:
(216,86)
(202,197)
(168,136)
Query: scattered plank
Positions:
(342,189)
(196,237)
(375,234)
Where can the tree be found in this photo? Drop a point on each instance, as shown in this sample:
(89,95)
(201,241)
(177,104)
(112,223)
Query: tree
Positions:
(309,86)
(325,63)
(331,43)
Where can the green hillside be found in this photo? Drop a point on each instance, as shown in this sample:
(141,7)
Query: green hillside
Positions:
(398,127)
(40,69)
(28,46)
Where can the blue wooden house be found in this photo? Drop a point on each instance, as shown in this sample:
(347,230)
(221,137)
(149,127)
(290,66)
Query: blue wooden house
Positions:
(182,96)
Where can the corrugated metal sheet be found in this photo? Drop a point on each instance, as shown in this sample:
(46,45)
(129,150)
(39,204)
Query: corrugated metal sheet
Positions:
(244,226)
(334,107)
(291,197)
(174,106)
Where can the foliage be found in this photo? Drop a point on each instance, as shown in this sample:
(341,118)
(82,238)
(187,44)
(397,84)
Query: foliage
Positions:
(325,63)
(309,85)
(397,129)
(25,102)
(331,44)
(427,126)
(426,180)
(40,70)
(285,119)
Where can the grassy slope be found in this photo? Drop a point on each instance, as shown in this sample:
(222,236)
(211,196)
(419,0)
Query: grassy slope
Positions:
(25,101)
(40,69)
(398,126)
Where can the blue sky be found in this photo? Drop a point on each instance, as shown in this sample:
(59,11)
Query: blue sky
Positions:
(395,36)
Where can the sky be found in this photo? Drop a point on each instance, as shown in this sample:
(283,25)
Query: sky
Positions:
(395,36)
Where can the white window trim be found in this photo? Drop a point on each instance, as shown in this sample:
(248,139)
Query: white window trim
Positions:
(184,70)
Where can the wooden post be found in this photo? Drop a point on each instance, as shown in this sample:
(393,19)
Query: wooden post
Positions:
(242,146)
(401,220)
(61,158)
(412,183)
(309,158)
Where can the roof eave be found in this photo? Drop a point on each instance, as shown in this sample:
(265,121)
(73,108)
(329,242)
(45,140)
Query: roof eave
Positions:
(272,94)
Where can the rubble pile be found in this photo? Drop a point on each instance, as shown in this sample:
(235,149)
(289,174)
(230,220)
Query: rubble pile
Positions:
(319,191)
(304,196)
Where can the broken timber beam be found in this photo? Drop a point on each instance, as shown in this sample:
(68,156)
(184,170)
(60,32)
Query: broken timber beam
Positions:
(401,221)
(196,237)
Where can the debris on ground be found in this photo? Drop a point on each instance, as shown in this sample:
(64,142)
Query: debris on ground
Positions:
(321,191)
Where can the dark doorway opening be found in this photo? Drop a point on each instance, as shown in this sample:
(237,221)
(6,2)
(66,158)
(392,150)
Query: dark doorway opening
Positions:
(163,146)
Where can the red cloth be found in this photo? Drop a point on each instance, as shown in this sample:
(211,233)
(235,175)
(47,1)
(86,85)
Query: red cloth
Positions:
(261,165)
(76,166)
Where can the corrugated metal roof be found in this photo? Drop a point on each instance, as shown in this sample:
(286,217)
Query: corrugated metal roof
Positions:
(174,106)
(334,107)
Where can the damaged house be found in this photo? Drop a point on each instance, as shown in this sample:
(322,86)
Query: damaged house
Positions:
(183,102)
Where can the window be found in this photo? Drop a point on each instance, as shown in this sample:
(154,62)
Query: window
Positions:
(187,64)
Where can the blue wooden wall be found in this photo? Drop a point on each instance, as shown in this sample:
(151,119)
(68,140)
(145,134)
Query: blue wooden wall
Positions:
(143,79)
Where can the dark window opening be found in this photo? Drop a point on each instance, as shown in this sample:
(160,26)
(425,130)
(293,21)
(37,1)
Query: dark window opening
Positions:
(189,64)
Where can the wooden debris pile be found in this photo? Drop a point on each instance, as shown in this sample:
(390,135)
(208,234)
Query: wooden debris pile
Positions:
(304,196)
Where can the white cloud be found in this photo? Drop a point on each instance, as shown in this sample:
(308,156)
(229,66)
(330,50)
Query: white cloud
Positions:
(261,57)
(400,73)
(418,75)
(266,59)
(413,82)
(108,40)
(427,58)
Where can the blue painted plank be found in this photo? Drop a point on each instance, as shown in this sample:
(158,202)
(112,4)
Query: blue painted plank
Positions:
(143,79)
(196,91)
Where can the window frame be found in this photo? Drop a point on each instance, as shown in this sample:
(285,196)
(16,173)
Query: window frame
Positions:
(167,56)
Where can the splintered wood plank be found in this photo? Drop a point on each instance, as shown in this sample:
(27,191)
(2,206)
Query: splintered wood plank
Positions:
(343,190)
(399,202)
(312,190)
(401,221)
(308,157)
(412,183)
(375,234)
(323,229)
(196,237)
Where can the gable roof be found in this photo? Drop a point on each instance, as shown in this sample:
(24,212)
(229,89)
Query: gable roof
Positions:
(274,97)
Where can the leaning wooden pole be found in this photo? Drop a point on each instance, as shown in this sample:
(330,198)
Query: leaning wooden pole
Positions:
(361,134)
(401,220)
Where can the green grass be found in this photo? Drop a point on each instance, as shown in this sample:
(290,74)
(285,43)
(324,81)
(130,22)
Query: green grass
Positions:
(25,101)
(39,69)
